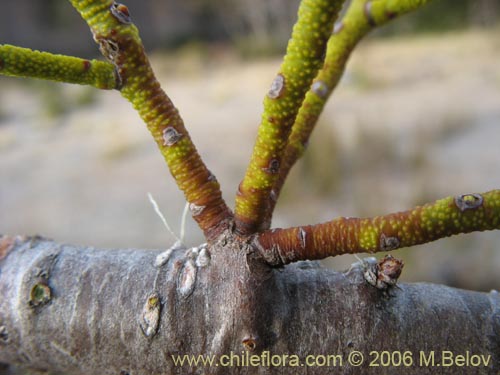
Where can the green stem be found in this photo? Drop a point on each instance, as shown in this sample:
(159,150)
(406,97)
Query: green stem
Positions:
(361,17)
(443,218)
(120,43)
(302,61)
(24,62)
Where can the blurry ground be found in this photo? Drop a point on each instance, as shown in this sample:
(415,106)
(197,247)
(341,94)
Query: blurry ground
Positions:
(414,120)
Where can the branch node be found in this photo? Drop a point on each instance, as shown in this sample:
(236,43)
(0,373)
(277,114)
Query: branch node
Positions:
(150,316)
(211,177)
(277,87)
(203,258)
(320,88)
(86,65)
(302,234)
(196,209)
(273,167)
(388,243)
(187,279)
(384,274)
(40,295)
(468,201)
(171,136)
(249,343)
(121,13)
(338,27)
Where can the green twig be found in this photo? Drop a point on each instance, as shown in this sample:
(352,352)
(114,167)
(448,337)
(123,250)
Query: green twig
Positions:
(24,62)
(120,43)
(304,56)
(361,17)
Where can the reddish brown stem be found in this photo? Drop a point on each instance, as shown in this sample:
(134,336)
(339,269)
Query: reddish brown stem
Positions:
(443,218)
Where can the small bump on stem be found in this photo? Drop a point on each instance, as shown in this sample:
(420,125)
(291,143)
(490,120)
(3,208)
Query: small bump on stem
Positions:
(203,258)
(171,136)
(249,343)
(302,234)
(211,177)
(195,209)
(40,295)
(273,167)
(187,279)
(277,87)
(121,13)
(320,88)
(338,27)
(388,243)
(389,269)
(273,195)
(384,274)
(150,316)
(367,9)
(468,201)
(86,65)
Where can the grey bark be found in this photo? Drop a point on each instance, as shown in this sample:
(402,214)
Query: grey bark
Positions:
(77,310)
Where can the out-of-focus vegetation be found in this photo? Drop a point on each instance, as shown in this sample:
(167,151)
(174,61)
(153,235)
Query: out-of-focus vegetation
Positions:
(255,27)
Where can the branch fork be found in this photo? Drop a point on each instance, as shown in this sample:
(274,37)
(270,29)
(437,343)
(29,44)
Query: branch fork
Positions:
(126,311)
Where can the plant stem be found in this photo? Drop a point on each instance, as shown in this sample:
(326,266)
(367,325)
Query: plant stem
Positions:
(361,17)
(120,43)
(24,62)
(303,59)
(443,218)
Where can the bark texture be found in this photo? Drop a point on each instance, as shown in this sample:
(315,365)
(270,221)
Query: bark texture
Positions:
(76,310)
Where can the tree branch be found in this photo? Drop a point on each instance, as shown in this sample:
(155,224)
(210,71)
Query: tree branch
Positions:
(443,218)
(302,61)
(24,62)
(120,43)
(77,310)
(361,18)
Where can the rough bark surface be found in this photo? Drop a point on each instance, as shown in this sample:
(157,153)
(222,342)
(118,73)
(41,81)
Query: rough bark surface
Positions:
(77,310)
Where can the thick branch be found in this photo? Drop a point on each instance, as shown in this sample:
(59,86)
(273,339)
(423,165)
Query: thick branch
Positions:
(361,17)
(88,311)
(24,62)
(302,61)
(120,43)
(443,218)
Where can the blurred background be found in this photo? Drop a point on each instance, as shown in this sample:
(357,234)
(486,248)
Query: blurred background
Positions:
(416,118)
